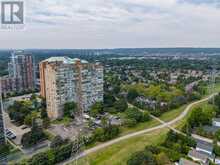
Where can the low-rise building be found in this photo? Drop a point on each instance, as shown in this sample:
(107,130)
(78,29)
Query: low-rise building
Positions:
(204,147)
(199,156)
(183,161)
(216,122)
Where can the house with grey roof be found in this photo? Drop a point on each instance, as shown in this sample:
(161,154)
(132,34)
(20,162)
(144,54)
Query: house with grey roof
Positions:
(217,160)
(210,129)
(183,161)
(199,156)
(216,122)
(204,147)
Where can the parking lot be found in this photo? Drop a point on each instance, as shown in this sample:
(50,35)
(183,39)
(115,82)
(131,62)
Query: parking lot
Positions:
(17,130)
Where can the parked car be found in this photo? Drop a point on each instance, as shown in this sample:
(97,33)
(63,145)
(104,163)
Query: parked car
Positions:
(9,134)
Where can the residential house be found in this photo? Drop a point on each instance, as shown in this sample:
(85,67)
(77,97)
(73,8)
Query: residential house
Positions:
(199,156)
(183,161)
(204,147)
(216,122)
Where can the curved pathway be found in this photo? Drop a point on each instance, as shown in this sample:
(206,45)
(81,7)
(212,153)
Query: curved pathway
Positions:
(163,125)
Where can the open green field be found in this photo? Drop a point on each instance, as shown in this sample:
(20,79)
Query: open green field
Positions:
(119,153)
(139,127)
(172,114)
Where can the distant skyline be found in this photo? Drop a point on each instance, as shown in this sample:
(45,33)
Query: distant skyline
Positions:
(91,24)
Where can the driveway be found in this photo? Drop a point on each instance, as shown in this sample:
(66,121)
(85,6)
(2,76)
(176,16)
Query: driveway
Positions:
(15,129)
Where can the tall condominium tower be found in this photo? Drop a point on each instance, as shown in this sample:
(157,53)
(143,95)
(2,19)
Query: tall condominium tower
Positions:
(63,79)
(21,73)
(21,66)
(2,129)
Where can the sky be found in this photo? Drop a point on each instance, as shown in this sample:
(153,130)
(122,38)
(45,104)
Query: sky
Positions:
(71,24)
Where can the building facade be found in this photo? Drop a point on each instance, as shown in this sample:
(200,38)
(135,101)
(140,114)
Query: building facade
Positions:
(21,74)
(2,129)
(63,79)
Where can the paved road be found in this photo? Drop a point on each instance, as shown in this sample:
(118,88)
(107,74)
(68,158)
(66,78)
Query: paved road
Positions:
(163,125)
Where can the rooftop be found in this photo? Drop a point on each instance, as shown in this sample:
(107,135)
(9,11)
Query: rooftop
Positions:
(186,162)
(198,155)
(204,145)
(216,119)
(210,129)
(65,60)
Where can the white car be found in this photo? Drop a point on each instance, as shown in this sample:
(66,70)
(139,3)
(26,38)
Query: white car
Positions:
(9,134)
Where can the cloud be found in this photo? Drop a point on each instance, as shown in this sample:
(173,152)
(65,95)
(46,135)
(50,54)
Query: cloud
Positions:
(117,23)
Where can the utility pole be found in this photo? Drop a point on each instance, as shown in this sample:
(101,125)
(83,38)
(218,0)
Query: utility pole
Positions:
(3,156)
(77,148)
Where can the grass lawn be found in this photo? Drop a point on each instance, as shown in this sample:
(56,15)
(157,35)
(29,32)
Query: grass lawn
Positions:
(119,153)
(167,116)
(139,127)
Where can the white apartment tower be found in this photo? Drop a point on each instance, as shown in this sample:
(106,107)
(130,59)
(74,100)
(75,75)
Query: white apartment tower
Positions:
(63,79)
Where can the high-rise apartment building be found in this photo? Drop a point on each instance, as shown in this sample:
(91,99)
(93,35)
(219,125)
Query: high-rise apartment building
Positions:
(21,74)
(64,80)
(21,66)
(2,131)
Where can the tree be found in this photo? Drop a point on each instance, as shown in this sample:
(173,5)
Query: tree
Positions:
(46,123)
(162,159)
(43,113)
(96,109)
(57,142)
(130,122)
(44,116)
(69,109)
(42,159)
(29,118)
(216,150)
(142,157)
(132,94)
(134,113)
(201,116)
(178,101)
(145,116)
(121,105)
(19,110)
(34,136)
(109,100)
(33,99)
(4,150)
(116,89)
(107,132)
(33,96)
(217,135)
(63,152)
